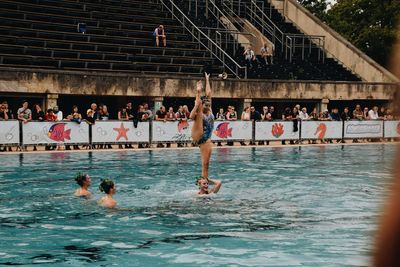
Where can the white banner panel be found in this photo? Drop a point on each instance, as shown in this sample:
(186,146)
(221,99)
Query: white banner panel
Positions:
(392,129)
(172,131)
(120,132)
(363,129)
(64,132)
(9,132)
(321,129)
(276,130)
(232,130)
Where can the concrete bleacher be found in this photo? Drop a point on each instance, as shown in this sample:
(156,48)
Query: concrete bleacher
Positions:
(43,34)
(311,67)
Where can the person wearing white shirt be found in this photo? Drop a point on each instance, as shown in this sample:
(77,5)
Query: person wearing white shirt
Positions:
(373,113)
(303,114)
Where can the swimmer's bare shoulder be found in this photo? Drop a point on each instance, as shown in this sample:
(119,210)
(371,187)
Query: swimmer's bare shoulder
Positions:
(81,193)
(107,203)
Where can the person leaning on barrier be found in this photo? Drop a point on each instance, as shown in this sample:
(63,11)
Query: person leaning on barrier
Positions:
(161,115)
(123,114)
(303,114)
(3,113)
(314,116)
(24,113)
(373,113)
(8,110)
(171,114)
(346,115)
(58,113)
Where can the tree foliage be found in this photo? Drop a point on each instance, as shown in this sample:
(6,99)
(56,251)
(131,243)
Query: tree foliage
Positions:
(368,24)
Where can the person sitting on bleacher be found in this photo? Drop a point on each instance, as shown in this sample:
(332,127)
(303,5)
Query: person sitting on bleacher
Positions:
(249,56)
(159,33)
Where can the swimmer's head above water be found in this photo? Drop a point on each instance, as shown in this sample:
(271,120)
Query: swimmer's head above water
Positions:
(203,184)
(206,101)
(107,186)
(83,179)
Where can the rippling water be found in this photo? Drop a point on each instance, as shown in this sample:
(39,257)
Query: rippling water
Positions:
(314,206)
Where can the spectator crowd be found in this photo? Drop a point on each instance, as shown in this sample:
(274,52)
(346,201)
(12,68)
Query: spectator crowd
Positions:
(144,113)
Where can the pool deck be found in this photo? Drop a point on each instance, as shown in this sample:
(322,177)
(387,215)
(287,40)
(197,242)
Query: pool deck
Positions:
(272,144)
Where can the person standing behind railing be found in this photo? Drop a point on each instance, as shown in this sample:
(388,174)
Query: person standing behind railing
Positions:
(37,115)
(3,116)
(8,110)
(245,117)
(220,116)
(58,113)
(231,115)
(303,114)
(373,113)
(3,113)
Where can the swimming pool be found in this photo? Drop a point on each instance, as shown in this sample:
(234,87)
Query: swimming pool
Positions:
(285,206)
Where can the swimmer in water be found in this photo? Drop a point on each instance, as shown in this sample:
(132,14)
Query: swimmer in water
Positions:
(107,186)
(203,186)
(203,124)
(83,180)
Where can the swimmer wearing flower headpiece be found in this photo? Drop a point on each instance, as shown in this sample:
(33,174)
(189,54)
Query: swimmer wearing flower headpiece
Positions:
(203,124)
(203,183)
(83,180)
(107,186)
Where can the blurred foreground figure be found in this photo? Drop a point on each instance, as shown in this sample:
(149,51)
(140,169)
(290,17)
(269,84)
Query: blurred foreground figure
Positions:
(387,246)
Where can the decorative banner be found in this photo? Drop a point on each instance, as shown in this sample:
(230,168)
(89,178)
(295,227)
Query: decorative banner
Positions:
(276,130)
(172,131)
(120,132)
(392,129)
(9,132)
(363,129)
(321,129)
(232,130)
(64,132)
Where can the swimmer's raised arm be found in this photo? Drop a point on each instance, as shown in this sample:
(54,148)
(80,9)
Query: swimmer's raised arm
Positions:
(217,185)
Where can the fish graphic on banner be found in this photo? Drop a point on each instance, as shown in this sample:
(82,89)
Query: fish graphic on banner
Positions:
(398,128)
(58,133)
(277,130)
(223,130)
(321,130)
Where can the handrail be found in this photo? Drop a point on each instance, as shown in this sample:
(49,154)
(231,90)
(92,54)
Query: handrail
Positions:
(198,34)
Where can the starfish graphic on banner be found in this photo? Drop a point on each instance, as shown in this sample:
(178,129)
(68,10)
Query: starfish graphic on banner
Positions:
(121,132)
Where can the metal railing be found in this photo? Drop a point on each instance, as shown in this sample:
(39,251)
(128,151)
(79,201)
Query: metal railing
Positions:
(289,43)
(226,33)
(197,34)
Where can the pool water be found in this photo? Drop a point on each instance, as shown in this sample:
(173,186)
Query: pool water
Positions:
(308,206)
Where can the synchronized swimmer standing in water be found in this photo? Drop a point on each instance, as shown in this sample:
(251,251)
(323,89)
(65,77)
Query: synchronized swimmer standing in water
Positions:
(202,131)
(84,181)
(107,186)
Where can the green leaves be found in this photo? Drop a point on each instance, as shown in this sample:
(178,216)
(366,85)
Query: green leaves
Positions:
(369,24)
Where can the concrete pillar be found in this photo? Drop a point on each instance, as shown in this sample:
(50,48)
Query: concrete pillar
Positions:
(157,103)
(245,103)
(51,101)
(323,104)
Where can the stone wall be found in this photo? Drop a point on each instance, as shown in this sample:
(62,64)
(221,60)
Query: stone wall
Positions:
(76,83)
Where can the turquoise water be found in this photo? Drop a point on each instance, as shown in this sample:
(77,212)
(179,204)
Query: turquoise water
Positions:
(314,206)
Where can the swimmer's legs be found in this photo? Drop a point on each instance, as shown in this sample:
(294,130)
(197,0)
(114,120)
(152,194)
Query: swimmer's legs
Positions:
(205,150)
(197,115)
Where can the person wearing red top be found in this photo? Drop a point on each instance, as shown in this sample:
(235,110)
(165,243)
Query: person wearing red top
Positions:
(50,116)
